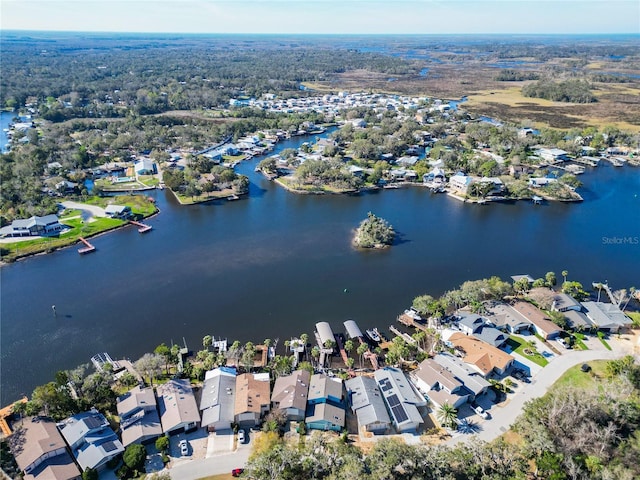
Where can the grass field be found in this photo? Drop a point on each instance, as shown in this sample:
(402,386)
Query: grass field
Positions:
(635,317)
(576,377)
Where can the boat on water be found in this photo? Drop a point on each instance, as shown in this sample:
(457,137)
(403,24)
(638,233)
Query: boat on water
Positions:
(374,335)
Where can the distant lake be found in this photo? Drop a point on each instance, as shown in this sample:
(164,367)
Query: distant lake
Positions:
(5,121)
(274,264)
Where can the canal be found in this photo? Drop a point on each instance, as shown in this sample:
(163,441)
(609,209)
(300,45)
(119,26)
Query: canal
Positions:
(273,264)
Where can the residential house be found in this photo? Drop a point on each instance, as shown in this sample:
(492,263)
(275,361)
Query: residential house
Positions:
(473,324)
(572,311)
(606,316)
(290,394)
(367,403)
(325,404)
(552,155)
(503,317)
(471,379)
(252,398)
(177,406)
(401,399)
(92,441)
(139,419)
(356,171)
(40,451)
(436,176)
(407,161)
(439,384)
(517,171)
(65,186)
(145,166)
(542,325)
(485,358)
(538,182)
(34,226)
(460,183)
(217,402)
(117,211)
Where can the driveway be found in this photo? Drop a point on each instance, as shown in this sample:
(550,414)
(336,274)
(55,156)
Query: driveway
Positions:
(217,463)
(92,210)
(504,416)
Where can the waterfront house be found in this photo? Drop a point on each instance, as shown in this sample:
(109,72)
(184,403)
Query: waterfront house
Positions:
(217,402)
(368,405)
(606,316)
(145,166)
(485,358)
(435,176)
(475,325)
(439,384)
(290,394)
(460,183)
(40,451)
(252,400)
(503,317)
(572,311)
(92,441)
(538,182)
(117,211)
(553,155)
(139,419)
(325,403)
(356,171)
(401,399)
(542,325)
(34,226)
(177,406)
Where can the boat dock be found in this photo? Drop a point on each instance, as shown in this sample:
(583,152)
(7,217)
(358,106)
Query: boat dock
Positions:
(7,412)
(406,337)
(343,352)
(143,228)
(88,249)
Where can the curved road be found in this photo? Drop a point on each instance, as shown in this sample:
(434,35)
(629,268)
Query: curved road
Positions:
(503,417)
(93,210)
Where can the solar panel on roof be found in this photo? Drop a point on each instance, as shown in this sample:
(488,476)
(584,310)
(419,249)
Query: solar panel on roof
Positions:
(92,422)
(393,400)
(399,413)
(385,385)
(109,446)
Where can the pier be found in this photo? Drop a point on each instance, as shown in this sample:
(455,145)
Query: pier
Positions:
(143,228)
(7,412)
(87,249)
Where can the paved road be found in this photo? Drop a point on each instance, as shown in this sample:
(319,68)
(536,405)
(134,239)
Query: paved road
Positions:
(504,417)
(214,465)
(93,210)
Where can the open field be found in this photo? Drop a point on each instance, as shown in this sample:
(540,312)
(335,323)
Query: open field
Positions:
(577,378)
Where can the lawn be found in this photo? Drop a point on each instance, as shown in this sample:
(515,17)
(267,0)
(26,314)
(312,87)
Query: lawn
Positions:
(519,346)
(580,341)
(576,377)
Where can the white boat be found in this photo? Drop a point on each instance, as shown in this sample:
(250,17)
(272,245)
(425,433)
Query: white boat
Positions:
(374,335)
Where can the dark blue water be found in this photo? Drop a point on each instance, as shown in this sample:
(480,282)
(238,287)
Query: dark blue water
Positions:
(274,264)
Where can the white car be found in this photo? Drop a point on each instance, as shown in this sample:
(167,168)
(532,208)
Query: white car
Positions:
(241,436)
(184,448)
(480,411)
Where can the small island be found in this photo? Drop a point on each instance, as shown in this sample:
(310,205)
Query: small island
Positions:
(374,232)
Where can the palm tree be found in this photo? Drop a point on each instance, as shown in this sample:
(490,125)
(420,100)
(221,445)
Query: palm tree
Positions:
(348,346)
(599,287)
(564,275)
(632,291)
(207,341)
(362,349)
(447,415)
(304,338)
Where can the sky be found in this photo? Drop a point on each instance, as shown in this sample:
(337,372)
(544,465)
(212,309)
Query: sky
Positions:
(324,16)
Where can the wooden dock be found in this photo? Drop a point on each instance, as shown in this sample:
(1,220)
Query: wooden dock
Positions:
(410,321)
(88,249)
(343,352)
(7,412)
(143,228)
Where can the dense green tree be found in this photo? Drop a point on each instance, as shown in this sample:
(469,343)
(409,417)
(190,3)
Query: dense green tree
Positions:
(134,457)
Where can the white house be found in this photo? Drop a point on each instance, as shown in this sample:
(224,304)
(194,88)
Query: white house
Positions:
(145,166)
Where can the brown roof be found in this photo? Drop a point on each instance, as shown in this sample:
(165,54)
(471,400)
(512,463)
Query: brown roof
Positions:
(290,391)
(251,394)
(536,316)
(485,357)
(36,437)
(431,372)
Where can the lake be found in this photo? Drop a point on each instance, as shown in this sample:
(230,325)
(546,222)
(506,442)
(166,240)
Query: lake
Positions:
(273,264)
